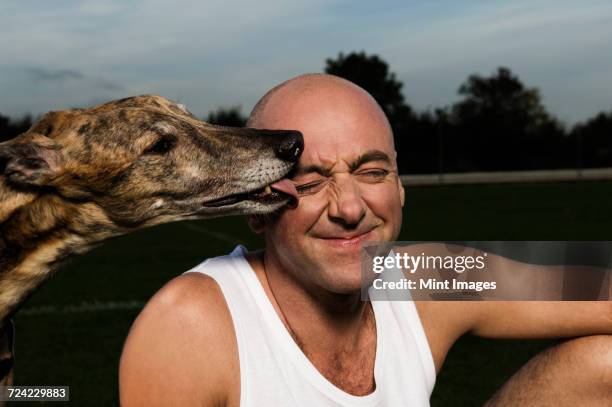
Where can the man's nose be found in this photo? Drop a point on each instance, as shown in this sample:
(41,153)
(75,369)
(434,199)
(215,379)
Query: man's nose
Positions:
(346,204)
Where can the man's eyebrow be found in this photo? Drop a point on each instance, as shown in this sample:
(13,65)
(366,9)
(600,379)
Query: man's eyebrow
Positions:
(368,156)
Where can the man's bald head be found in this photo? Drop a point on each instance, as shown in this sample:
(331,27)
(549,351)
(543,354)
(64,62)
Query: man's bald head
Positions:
(346,178)
(315,93)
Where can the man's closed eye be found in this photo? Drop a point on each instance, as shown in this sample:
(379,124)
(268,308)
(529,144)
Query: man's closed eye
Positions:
(310,188)
(373,175)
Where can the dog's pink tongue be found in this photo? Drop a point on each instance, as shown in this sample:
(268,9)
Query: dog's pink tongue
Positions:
(286,186)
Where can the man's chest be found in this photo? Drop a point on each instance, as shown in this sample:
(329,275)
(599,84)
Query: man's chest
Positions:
(350,368)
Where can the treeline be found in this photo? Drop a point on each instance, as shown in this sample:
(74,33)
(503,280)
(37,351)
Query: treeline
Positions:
(498,124)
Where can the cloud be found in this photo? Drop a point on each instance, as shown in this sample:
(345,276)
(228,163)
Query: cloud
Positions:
(108,85)
(62,75)
(40,74)
(183,49)
(552,45)
(223,53)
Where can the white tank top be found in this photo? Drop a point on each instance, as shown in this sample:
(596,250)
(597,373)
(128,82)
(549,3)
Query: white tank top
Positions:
(275,372)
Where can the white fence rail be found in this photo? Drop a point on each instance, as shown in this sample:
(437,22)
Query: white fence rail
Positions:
(508,177)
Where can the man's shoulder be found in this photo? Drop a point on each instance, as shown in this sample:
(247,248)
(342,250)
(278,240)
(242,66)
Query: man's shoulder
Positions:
(182,343)
(193,301)
(191,294)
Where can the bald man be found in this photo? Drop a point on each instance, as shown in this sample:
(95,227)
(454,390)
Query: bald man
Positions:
(285,326)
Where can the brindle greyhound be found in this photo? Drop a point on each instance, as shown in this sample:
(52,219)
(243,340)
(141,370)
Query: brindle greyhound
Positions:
(78,177)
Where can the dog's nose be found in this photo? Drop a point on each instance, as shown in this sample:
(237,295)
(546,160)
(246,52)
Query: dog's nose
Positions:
(291,146)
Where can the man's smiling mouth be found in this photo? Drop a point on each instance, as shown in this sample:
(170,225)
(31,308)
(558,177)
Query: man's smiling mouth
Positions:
(348,240)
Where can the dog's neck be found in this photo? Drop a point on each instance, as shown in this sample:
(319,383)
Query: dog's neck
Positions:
(36,237)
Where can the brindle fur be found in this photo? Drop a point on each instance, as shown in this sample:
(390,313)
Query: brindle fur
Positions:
(78,177)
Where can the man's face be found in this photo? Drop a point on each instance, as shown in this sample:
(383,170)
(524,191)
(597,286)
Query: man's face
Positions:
(348,186)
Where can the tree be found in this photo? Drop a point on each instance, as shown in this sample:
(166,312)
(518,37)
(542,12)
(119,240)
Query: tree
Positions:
(10,128)
(503,125)
(372,74)
(501,96)
(231,116)
(594,140)
(4,125)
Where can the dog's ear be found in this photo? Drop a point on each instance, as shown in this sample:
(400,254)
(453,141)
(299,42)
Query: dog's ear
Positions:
(30,159)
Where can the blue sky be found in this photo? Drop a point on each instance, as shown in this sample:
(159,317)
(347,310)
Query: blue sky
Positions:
(61,54)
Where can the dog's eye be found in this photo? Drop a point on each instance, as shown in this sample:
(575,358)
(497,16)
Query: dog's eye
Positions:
(161,146)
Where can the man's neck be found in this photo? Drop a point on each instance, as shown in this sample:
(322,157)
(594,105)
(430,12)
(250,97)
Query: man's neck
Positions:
(318,319)
(337,333)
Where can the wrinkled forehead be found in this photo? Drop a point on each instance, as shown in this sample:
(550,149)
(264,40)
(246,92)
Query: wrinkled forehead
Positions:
(336,124)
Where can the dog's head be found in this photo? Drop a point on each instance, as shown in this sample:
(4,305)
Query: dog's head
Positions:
(147,160)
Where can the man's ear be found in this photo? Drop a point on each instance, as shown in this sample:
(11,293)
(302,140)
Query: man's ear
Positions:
(402,193)
(256,223)
(30,159)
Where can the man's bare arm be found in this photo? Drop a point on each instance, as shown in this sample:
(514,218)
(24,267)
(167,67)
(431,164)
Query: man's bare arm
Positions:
(179,350)
(446,321)
(541,319)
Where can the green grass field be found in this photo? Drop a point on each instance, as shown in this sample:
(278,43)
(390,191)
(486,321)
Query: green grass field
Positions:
(71,332)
